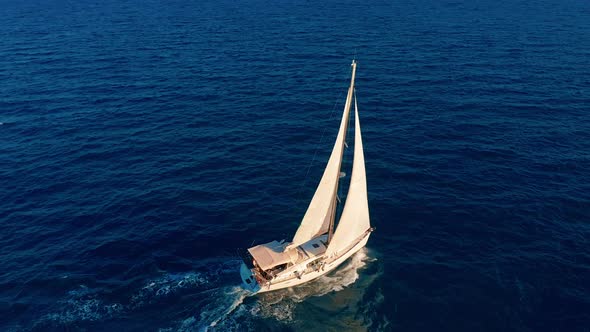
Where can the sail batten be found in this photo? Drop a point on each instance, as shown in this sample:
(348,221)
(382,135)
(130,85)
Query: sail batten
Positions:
(354,221)
(319,215)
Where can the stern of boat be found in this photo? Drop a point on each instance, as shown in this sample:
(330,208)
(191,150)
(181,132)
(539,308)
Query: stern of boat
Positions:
(248,279)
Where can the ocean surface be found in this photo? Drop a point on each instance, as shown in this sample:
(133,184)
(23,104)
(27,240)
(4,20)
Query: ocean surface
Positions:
(142,142)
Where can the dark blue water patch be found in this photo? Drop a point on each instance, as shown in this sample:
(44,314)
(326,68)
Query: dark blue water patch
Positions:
(142,143)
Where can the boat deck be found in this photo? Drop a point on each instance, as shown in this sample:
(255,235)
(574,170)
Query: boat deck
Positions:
(314,247)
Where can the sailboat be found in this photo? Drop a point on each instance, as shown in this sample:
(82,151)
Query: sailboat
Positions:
(319,246)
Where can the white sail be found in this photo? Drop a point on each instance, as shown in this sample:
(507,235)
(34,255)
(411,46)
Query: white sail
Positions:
(322,206)
(354,221)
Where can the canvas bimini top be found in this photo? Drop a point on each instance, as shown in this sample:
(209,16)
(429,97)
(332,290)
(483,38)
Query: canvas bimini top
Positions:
(271,254)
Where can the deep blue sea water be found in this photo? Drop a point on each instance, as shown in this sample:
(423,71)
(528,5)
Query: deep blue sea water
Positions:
(142,142)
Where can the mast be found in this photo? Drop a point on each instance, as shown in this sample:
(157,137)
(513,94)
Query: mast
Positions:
(335,199)
(320,214)
(332,218)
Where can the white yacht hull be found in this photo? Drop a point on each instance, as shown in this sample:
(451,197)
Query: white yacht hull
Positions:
(294,281)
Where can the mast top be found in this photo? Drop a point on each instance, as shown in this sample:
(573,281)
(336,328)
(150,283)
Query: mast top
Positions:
(353,64)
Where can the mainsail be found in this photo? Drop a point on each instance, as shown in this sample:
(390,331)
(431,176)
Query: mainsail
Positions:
(321,210)
(354,221)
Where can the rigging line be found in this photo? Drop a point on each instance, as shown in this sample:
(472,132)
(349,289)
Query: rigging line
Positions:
(346,138)
(299,192)
(316,149)
(345,158)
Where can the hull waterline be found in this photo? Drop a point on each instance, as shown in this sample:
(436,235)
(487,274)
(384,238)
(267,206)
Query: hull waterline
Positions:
(255,287)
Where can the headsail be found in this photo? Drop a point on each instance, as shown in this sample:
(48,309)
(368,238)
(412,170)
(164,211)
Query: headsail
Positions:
(322,207)
(354,221)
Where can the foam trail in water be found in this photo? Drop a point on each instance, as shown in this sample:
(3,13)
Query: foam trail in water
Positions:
(227,310)
(240,294)
(81,305)
(223,312)
(84,304)
(168,285)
